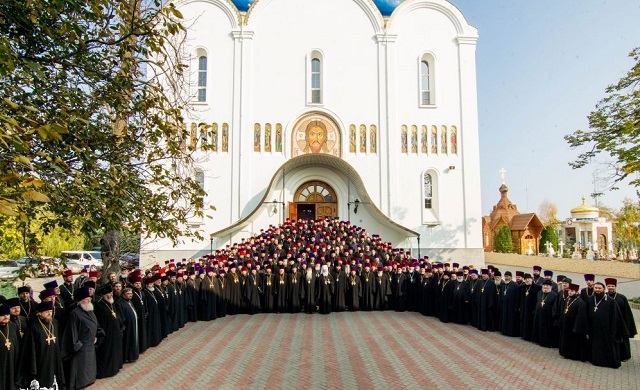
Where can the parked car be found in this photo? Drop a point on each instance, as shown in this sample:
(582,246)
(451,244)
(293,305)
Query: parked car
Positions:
(83,258)
(9,270)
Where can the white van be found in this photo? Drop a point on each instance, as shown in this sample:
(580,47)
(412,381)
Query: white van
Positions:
(83,258)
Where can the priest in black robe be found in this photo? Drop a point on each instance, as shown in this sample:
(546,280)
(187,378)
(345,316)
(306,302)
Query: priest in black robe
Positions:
(573,343)
(131,330)
(308,293)
(234,292)
(19,321)
(252,291)
(208,301)
(27,305)
(400,291)
(486,301)
(78,342)
(41,359)
(627,317)
(606,328)
(543,331)
(153,320)
(9,350)
(461,299)
(67,288)
(325,288)
(294,289)
(281,300)
(413,287)
(340,289)
(474,282)
(223,294)
(354,290)
(191,297)
(382,290)
(528,300)
(587,292)
(174,302)
(445,304)
(269,289)
(109,354)
(138,302)
(162,298)
(368,287)
(509,307)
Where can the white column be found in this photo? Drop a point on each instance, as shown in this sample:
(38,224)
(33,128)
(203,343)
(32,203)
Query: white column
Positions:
(240,129)
(469,141)
(387,128)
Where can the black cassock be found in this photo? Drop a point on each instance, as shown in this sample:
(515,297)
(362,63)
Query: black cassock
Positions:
(543,332)
(252,293)
(281,304)
(154,325)
(223,292)
(294,283)
(78,349)
(191,300)
(474,292)
(528,301)
(382,292)
(445,307)
(174,307)
(234,293)
(161,298)
(413,288)
(268,291)
(138,302)
(207,309)
(41,359)
(573,343)
(130,334)
(354,292)
(109,355)
(21,324)
(627,317)
(308,293)
(340,291)
(510,309)
(325,287)
(400,291)
(9,356)
(368,281)
(429,296)
(486,300)
(461,299)
(606,331)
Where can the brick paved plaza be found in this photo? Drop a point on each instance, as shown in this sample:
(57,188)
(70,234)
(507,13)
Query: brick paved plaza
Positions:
(365,350)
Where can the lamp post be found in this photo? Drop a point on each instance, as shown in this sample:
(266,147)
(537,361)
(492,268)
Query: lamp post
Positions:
(211,243)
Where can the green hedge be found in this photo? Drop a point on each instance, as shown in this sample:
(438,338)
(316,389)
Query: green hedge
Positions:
(8,290)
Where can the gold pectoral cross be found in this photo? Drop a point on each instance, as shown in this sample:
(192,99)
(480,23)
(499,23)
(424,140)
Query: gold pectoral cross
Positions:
(595,309)
(7,344)
(541,304)
(113,313)
(50,339)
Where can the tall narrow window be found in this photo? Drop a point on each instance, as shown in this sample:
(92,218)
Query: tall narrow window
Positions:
(426,80)
(428,191)
(199,178)
(316,81)
(202,79)
(425,94)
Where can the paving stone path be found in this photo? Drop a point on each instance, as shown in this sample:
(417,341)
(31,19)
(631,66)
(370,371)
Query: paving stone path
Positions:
(361,350)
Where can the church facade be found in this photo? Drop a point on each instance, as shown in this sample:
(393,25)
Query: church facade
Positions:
(353,109)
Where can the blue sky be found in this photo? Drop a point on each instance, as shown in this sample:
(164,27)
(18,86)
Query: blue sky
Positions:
(542,66)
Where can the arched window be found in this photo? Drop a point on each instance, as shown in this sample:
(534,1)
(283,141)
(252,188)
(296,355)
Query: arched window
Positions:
(315,67)
(427,183)
(430,207)
(199,178)
(424,79)
(202,78)
(427,80)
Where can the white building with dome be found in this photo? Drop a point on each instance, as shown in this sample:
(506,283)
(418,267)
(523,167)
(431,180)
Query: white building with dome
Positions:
(356,109)
(586,230)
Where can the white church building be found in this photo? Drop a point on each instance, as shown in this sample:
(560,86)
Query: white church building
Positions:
(356,109)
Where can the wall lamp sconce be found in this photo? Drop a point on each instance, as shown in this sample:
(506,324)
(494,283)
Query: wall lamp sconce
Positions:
(355,208)
(452,167)
(274,209)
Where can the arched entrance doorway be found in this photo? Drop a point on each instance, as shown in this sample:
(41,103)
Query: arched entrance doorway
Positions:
(314,200)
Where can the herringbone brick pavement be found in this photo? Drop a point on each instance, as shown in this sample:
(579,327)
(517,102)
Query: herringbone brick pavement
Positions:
(361,350)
